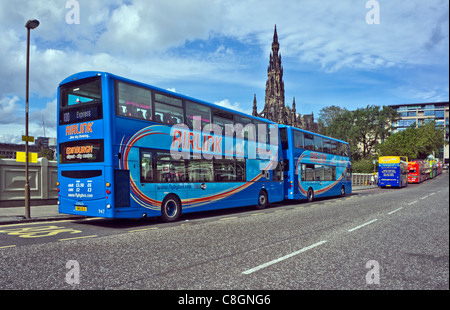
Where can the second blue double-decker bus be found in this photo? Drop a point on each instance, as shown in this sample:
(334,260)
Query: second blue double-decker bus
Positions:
(128,150)
(314,165)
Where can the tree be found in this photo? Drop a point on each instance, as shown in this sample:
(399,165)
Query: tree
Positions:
(373,124)
(363,128)
(402,143)
(416,143)
(431,139)
(327,115)
(47,153)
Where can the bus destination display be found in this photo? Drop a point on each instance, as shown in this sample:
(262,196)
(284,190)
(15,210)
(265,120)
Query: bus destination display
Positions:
(82,151)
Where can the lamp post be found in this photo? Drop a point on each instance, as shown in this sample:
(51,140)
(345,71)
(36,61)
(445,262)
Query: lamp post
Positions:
(31,24)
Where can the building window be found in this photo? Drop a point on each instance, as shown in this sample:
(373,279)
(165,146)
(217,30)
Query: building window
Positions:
(439,114)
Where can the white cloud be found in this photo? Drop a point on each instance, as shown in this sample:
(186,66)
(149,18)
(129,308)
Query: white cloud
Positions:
(431,94)
(224,42)
(8,108)
(138,37)
(149,27)
(236,106)
(46,116)
(336,35)
(9,138)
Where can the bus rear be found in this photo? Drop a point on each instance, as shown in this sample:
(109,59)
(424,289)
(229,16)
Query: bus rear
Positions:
(392,171)
(414,172)
(84,167)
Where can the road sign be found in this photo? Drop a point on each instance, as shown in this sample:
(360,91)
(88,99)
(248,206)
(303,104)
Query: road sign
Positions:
(28,138)
(21,157)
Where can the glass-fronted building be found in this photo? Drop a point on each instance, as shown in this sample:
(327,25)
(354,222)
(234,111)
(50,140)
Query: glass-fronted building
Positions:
(418,114)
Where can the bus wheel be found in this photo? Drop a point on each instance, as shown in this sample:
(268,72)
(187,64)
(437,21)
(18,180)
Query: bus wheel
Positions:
(342,191)
(262,200)
(310,196)
(170,208)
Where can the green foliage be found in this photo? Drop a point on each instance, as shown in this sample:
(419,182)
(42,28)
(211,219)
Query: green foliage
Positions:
(47,153)
(368,131)
(416,143)
(363,166)
(327,115)
(363,128)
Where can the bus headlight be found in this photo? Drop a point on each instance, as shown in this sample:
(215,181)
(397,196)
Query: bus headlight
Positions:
(108,206)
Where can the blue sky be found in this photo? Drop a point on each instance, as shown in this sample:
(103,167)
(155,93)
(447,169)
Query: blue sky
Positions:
(218,51)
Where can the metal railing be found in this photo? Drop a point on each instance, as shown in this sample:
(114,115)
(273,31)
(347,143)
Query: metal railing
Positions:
(359,179)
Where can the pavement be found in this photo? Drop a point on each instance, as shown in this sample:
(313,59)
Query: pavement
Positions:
(13,215)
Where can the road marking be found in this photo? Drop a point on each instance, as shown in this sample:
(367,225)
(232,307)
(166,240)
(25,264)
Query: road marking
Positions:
(249,271)
(144,229)
(228,218)
(39,231)
(395,210)
(92,236)
(7,246)
(280,210)
(425,197)
(432,194)
(365,224)
(35,223)
(411,203)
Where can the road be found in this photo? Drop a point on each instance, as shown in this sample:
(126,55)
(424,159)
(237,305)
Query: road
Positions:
(374,239)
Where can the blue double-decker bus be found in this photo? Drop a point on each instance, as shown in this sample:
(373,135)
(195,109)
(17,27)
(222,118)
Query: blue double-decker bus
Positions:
(130,150)
(314,165)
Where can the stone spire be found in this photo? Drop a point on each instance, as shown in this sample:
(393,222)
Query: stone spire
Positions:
(274,108)
(255,108)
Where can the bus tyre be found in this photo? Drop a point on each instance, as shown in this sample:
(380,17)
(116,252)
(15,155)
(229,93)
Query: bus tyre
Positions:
(310,195)
(170,209)
(262,200)
(342,191)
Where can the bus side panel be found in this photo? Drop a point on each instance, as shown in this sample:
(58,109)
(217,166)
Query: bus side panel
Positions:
(121,188)
(331,185)
(218,197)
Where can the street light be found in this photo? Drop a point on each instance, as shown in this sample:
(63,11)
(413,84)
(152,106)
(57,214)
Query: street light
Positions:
(31,24)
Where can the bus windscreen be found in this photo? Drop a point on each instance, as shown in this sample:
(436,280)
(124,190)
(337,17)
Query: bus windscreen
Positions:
(80,102)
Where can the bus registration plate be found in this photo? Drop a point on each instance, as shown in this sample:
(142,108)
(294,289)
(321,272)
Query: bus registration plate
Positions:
(80,208)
